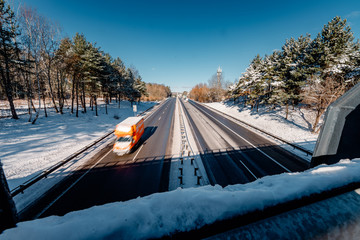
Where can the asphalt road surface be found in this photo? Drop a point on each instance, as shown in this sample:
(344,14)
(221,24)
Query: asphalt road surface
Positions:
(232,154)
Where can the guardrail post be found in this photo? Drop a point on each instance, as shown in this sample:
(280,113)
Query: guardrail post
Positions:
(192,161)
(181,161)
(181,180)
(8,213)
(181,171)
(195,169)
(198,180)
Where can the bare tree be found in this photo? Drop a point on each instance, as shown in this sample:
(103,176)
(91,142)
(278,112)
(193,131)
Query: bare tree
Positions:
(50,42)
(320,94)
(31,24)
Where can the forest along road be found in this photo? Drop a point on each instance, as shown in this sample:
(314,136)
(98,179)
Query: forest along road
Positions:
(115,178)
(232,154)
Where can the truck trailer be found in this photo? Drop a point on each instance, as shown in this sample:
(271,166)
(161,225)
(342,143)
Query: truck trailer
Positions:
(128,134)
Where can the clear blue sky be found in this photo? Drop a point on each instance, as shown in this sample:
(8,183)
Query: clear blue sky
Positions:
(182,43)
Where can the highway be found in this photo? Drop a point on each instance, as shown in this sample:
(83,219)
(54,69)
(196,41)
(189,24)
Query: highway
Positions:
(230,154)
(109,178)
(233,154)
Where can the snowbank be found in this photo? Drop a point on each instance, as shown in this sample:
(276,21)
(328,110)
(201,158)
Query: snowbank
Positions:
(185,209)
(295,129)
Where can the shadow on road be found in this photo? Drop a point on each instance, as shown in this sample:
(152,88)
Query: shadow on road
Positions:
(148,132)
(126,179)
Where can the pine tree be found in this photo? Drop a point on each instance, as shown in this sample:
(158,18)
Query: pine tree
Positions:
(140,88)
(291,70)
(92,73)
(8,52)
(328,63)
(271,78)
(77,66)
(119,78)
(129,85)
(63,66)
(254,81)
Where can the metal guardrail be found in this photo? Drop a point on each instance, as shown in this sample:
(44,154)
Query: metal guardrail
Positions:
(44,174)
(265,132)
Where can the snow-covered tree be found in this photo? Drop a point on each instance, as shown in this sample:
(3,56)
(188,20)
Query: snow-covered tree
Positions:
(332,56)
(291,70)
(254,81)
(120,79)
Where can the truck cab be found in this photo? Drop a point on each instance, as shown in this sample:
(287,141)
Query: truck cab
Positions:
(128,134)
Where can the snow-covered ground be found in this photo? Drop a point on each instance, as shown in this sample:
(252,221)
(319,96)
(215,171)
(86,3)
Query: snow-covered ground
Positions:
(161,214)
(26,149)
(296,129)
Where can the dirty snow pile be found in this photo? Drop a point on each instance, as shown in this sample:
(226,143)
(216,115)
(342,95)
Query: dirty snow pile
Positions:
(161,214)
(295,129)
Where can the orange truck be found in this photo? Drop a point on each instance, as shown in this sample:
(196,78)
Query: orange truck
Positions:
(128,134)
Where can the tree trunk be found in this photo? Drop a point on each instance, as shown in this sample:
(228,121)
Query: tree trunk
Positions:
(119,101)
(293,105)
(39,93)
(317,119)
(73,94)
(44,105)
(95,100)
(30,103)
(11,102)
(30,93)
(60,92)
(83,95)
(50,88)
(33,106)
(77,99)
(106,103)
(7,81)
(92,102)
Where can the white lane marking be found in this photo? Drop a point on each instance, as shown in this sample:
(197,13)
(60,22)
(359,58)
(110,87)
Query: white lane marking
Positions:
(248,142)
(160,106)
(137,153)
(72,185)
(248,169)
(159,118)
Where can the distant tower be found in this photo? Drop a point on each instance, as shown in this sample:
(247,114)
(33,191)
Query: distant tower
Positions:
(219,71)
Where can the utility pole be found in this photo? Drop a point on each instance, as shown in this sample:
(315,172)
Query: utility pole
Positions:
(8,213)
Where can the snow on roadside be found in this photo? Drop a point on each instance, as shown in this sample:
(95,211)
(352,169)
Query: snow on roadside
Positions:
(26,149)
(295,129)
(161,214)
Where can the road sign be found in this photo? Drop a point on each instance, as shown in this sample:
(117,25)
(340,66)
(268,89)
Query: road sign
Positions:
(135,108)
